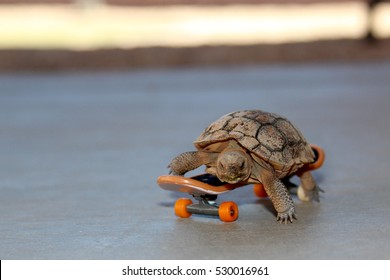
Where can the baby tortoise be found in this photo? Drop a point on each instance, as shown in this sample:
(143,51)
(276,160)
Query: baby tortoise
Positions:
(254,146)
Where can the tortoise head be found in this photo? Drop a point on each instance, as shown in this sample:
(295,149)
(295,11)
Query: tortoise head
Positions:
(233,166)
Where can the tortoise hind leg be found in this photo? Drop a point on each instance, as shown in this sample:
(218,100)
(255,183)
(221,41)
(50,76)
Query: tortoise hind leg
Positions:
(308,190)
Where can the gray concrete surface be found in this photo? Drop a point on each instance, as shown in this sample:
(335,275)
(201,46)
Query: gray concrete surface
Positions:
(80,154)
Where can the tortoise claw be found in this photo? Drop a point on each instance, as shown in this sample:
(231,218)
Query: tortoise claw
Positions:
(287,216)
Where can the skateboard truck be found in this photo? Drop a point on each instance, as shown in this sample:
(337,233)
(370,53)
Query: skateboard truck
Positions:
(205,205)
(226,211)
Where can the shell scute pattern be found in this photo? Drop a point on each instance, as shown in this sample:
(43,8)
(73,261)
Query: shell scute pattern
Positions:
(291,134)
(271,137)
(214,132)
(246,127)
(251,143)
(217,125)
(263,152)
(268,135)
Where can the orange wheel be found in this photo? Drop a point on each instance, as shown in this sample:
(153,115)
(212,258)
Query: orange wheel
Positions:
(181,207)
(228,211)
(259,190)
(320,157)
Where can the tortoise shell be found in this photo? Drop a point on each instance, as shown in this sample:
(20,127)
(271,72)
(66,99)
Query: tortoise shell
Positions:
(269,136)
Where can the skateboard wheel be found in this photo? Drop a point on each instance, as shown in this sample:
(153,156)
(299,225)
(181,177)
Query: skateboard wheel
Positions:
(228,211)
(320,157)
(259,190)
(181,207)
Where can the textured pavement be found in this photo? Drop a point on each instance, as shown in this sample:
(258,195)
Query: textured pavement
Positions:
(80,155)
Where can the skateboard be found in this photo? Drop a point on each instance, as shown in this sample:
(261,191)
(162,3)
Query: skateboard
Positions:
(205,188)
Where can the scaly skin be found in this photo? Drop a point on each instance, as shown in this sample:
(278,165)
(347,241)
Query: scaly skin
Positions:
(189,161)
(277,192)
(185,162)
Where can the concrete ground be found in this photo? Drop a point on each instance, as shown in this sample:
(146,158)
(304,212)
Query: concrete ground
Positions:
(81,152)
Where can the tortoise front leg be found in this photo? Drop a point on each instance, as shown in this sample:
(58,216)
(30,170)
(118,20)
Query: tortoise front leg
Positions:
(279,195)
(189,161)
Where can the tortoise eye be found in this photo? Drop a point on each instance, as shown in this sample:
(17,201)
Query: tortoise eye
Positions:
(242,165)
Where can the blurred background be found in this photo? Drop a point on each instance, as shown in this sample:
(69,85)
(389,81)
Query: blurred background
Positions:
(96,98)
(127,34)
